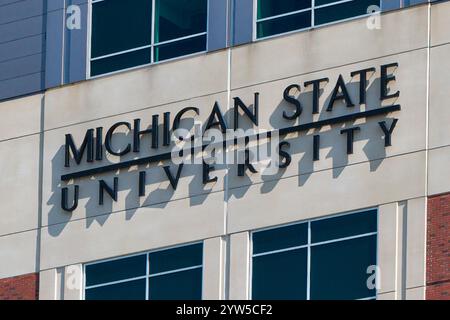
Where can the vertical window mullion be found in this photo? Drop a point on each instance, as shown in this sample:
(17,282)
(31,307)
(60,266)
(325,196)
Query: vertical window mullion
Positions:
(147,284)
(313,12)
(153,32)
(308,270)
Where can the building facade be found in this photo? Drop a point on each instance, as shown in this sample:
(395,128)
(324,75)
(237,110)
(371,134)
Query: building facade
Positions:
(351,202)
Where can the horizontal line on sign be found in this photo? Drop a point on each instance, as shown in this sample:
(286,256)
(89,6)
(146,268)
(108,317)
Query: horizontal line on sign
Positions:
(284,131)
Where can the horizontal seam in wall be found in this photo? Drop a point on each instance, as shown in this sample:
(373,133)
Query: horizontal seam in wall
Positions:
(222,190)
(11,3)
(134,111)
(328,68)
(22,76)
(37,15)
(22,38)
(439,195)
(20,57)
(438,282)
(440,45)
(201,239)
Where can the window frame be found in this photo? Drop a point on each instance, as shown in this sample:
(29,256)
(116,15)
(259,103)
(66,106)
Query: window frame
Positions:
(309,245)
(147,276)
(313,24)
(151,46)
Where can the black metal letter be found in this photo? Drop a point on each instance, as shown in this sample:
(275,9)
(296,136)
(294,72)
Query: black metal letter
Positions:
(173,180)
(242,167)
(238,103)
(153,130)
(220,121)
(292,100)
(206,171)
(177,120)
(362,82)
(103,186)
(385,80)
(88,143)
(350,138)
(316,92)
(316,148)
(64,200)
(142,178)
(388,132)
(340,93)
(108,139)
(284,154)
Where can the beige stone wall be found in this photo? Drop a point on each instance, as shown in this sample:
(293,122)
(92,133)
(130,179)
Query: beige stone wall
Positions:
(39,235)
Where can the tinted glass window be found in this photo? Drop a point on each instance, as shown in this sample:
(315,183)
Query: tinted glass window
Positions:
(280,276)
(284,24)
(269,8)
(132,290)
(344,226)
(185,285)
(339,270)
(178,258)
(171,274)
(343,11)
(269,22)
(118,27)
(339,253)
(115,270)
(120,62)
(180,48)
(179,18)
(281,238)
(126,34)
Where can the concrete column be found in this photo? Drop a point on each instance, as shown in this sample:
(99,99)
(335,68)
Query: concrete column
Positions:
(239,282)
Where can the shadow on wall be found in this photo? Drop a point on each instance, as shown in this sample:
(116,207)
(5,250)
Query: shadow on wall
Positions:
(159,191)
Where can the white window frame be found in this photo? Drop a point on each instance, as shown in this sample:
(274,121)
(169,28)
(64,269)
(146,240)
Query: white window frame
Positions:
(313,24)
(151,46)
(309,245)
(147,276)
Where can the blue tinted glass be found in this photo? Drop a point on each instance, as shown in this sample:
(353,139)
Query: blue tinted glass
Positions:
(284,24)
(115,270)
(344,226)
(185,285)
(119,25)
(343,11)
(280,276)
(269,8)
(132,290)
(120,62)
(177,258)
(179,18)
(180,48)
(281,238)
(339,270)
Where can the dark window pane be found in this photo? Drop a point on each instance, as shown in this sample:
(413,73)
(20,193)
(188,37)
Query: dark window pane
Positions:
(119,25)
(185,285)
(269,8)
(115,270)
(281,238)
(343,11)
(344,226)
(284,24)
(132,290)
(180,48)
(179,18)
(120,62)
(339,270)
(322,2)
(280,276)
(177,258)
